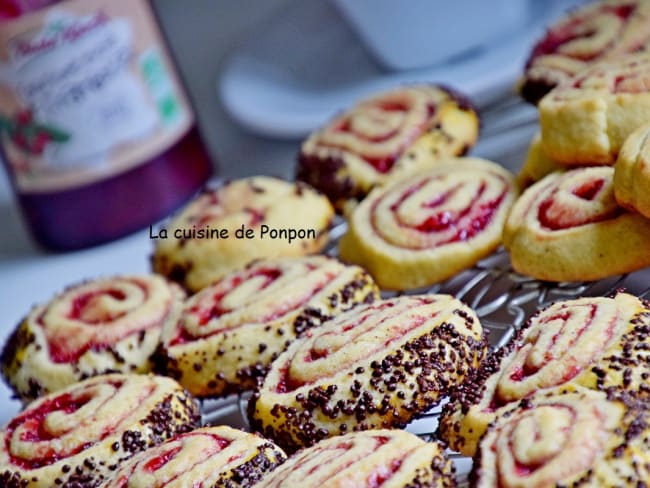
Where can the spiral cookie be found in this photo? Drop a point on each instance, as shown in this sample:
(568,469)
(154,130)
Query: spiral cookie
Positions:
(575,439)
(224,229)
(606,29)
(594,342)
(568,227)
(375,366)
(230,332)
(632,172)
(427,227)
(586,120)
(386,458)
(100,326)
(79,435)
(208,457)
(537,165)
(395,132)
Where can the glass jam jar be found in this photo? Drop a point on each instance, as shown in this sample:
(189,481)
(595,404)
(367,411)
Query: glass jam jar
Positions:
(96,130)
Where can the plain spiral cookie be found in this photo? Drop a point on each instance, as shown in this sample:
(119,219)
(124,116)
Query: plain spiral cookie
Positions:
(386,458)
(80,435)
(577,439)
(395,132)
(606,29)
(600,343)
(424,228)
(632,172)
(100,326)
(569,227)
(208,457)
(228,333)
(587,119)
(226,228)
(375,366)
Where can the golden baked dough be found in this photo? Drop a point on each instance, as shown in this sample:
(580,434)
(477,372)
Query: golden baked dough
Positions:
(393,133)
(375,366)
(229,332)
(205,241)
(424,228)
(386,458)
(587,119)
(210,457)
(577,439)
(599,343)
(568,227)
(100,326)
(632,172)
(537,164)
(80,435)
(606,29)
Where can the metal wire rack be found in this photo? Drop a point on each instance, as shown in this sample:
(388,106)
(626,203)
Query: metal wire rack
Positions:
(502,298)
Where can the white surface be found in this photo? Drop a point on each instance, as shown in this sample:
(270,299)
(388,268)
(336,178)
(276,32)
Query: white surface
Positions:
(277,87)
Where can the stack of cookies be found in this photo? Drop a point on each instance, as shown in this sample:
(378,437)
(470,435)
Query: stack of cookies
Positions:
(584,216)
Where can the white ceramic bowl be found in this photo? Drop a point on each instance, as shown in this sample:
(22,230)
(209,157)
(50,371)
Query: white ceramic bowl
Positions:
(408,34)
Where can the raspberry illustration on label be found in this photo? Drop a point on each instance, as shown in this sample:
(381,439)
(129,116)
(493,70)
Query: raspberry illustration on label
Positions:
(29,135)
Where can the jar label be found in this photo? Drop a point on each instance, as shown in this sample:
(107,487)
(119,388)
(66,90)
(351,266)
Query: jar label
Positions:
(87,90)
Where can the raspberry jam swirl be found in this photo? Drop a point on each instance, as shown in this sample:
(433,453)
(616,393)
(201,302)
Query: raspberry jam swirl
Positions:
(551,440)
(568,200)
(266,291)
(420,230)
(439,207)
(352,339)
(96,315)
(207,457)
(578,198)
(602,30)
(91,425)
(560,342)
(105,325)
(627,75)
(368,459)
(378,130)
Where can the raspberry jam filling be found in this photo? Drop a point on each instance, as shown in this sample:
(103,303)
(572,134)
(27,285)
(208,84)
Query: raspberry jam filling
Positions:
(155,463)
(383,164)
(287,383)
(574,29)
(283,385)
(383,474)
(570,367)
(463,223)
(33,424)
(86,308)
(554,216)
(589,189)
(216,310)
(526,469)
